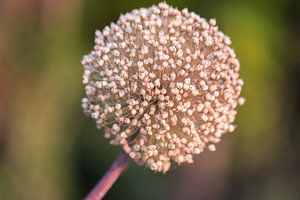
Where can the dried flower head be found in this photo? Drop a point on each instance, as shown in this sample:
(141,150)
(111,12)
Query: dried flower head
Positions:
(163,83)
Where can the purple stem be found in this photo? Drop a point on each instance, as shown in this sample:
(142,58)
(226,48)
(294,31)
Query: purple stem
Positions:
(109,177)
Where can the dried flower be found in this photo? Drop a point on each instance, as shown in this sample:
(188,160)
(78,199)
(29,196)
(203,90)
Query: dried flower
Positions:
(163,83)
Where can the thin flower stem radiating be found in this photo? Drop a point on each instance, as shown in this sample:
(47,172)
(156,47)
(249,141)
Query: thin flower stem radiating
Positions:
(109,178)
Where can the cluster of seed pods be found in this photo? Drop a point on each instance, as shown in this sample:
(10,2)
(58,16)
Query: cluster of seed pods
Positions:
(163,83)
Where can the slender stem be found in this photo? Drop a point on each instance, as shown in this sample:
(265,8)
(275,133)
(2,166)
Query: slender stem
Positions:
(109,177)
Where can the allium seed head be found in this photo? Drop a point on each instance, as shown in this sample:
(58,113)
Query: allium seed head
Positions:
(163,83)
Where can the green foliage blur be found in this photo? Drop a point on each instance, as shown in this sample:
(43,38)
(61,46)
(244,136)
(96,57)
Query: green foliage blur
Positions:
(49,150)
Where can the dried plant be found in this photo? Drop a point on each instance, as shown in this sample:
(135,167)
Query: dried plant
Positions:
(164,84)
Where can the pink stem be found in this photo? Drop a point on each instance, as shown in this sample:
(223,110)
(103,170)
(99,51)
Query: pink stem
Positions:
(109,178)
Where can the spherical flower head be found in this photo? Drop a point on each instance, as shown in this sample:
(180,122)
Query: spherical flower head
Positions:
(163,83)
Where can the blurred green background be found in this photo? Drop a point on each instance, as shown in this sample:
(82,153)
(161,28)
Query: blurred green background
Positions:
(50,151)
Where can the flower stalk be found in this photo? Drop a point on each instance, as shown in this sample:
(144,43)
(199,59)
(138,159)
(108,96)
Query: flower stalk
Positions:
(109,178)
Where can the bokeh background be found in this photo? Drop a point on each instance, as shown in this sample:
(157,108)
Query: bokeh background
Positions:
(50,151)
